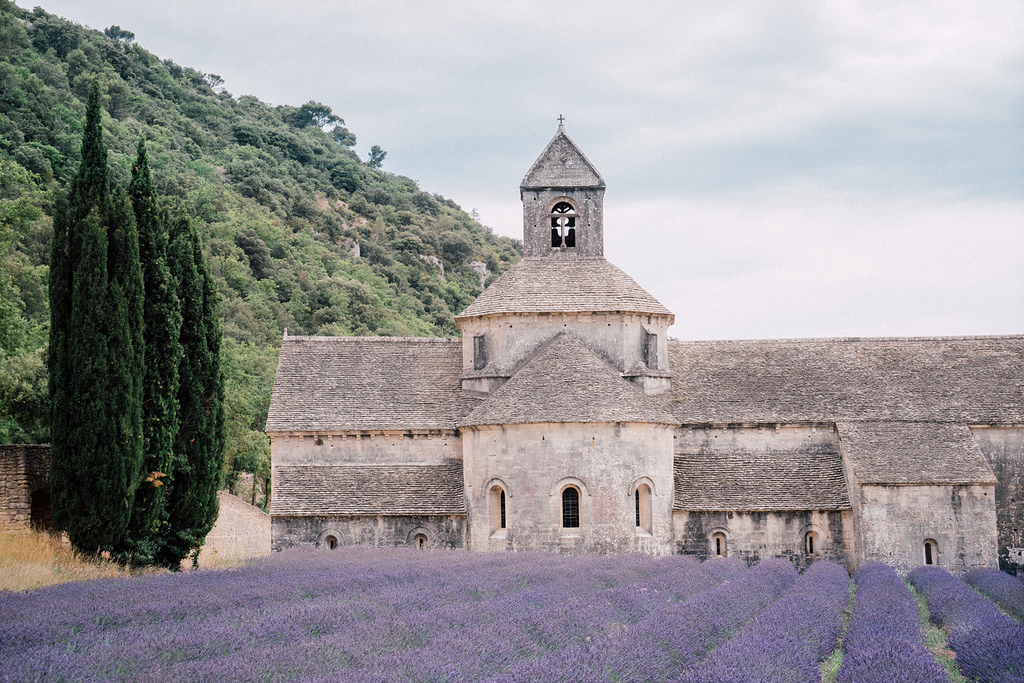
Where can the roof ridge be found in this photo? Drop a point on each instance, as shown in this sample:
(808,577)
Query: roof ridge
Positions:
(847,340)
(326,338)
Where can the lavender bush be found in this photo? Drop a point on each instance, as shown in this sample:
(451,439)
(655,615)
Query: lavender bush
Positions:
(663,644)
(1006,590)
(357,614)
(989,645)
(788,640)
(883,643)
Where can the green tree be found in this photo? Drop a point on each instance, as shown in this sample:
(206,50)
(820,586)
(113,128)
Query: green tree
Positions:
(19,206)
(161,330)
(95,352)
(192,504)
(376,157)
(312,114)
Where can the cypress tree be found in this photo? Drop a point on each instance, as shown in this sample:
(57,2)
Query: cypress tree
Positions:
(161,331)
(192,504)
(96,361)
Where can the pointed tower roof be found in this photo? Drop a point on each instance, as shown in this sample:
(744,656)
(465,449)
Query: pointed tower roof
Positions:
(567,382)
(562,164)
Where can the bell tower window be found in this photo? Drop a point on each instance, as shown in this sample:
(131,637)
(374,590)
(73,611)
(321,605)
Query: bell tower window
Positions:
(479,351)
(563,225)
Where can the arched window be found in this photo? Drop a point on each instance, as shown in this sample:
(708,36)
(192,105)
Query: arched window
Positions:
(496,503)
(570,507)
(419,541)
(642,500)
(719,546)
(331,542)
(811,545)
(563,225)
(931,552)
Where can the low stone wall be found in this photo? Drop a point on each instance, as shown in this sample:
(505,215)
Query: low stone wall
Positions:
(24,476)
(241,532)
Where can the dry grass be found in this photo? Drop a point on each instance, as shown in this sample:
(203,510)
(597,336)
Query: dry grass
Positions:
(33,559)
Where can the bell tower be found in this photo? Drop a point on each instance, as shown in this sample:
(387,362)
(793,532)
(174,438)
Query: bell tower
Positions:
(563,202)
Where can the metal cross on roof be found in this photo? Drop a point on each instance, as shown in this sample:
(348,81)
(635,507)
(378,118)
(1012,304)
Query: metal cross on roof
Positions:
(561,119)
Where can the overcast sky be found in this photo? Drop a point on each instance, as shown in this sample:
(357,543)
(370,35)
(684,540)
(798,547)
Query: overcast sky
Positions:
(774,169)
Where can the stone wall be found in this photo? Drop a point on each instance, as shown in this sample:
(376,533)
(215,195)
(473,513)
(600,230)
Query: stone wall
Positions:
(753,536)
(1003,446)
(894,522)
(377,531)
(25,486)
(241,531)
(617,337)
(533,463)
(368,447)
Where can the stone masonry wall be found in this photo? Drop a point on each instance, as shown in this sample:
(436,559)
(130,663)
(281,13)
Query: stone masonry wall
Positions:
(425,448)
(241,531)
(1003,447)
(24,474)
(533,463)
(895,522)
(377,531)
(753,536)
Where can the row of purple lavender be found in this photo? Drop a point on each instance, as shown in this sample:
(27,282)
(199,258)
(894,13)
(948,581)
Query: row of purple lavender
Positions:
(989,646)
(360,614)
(787,641)
(884,642)
(1005,590)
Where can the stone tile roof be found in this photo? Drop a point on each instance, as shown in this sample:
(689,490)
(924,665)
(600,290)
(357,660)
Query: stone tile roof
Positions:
(946,379)
(567,382)
(324,490)
(913,453)
(761,480)
(564,285)
(562,164)
(367,383)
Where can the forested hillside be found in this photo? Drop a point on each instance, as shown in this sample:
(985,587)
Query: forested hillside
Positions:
(299,232)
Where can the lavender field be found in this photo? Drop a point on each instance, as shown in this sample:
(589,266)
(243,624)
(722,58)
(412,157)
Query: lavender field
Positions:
(359,614)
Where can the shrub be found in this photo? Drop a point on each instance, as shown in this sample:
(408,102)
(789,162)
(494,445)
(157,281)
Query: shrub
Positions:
(989,645)
(788,640)
(883,641)
(1006,590)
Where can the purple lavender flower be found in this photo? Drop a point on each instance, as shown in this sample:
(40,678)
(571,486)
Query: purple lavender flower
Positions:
(788,640)
(989,645)
(884,641)
(1007,591)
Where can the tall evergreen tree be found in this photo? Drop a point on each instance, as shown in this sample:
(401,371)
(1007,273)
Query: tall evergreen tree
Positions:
(161,332)
(192,504)
(96,362)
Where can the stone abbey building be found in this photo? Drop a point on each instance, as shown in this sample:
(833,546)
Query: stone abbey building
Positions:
(565,419)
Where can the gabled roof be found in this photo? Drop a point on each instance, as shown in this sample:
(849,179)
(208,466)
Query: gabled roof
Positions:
(323,490)
(567,382)
(564,285)
(973,380)
(562,164)
(913,453)
(797,479)
(367,383)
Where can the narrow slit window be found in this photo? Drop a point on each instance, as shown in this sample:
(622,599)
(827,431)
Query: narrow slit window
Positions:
(719,545)
(571,508)
(642,497)
(502,509)
(479,351)
(930,552)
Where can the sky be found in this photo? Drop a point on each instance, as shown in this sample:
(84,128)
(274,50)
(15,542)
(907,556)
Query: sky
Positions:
(774,170)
